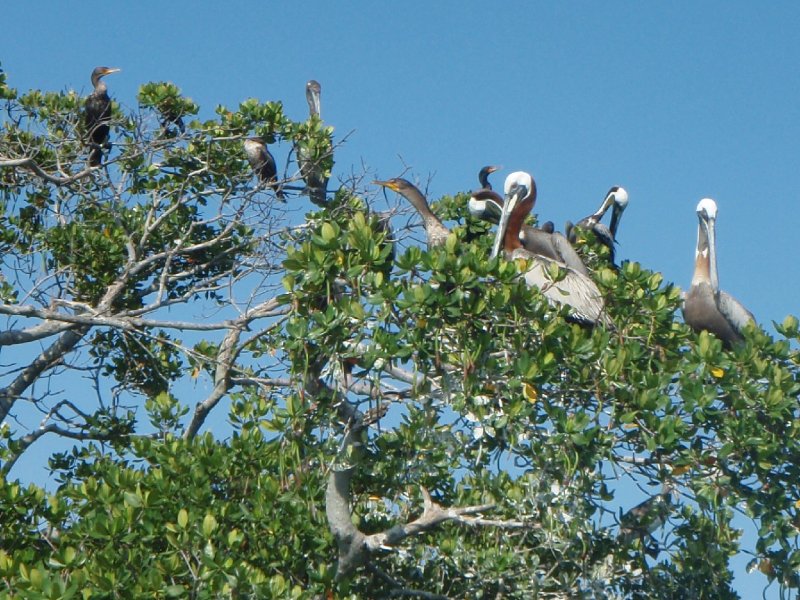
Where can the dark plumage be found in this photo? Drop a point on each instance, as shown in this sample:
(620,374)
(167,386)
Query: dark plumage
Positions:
(97,115)
(263,163)
(617,200)
(483,176)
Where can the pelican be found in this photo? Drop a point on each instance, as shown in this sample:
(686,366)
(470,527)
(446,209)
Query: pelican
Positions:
(437,233)
(575,290)
(311,169)
(483,176)
(617,200)
(313,90)
(97,115)
(263,163)
(488,206)
(706,307)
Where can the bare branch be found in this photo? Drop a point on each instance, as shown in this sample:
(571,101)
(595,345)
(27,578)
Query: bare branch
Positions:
(432,515)
(54,354)
(355,547)
(32,165)
(227,354)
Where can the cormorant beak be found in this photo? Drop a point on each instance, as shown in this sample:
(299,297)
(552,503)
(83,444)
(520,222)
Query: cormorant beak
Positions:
(110,71)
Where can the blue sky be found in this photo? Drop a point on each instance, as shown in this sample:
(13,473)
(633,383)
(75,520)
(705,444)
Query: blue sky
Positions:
(673,101)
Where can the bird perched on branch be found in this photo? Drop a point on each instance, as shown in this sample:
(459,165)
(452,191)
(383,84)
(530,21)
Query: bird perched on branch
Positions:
(312,168)
(263,163)
(574,289)
(97,115)
(436,231)
(617,200)
(706,307)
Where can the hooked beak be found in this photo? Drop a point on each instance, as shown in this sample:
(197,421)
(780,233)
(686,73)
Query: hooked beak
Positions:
(512,199)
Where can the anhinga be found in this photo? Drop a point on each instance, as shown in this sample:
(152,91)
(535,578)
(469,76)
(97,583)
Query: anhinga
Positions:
(263,163)
(575,290)
(436,232)
(311,169)
(617,200)
(544,241)
(97,115)
(706,307)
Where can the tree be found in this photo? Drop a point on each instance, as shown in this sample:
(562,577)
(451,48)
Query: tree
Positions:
(405,423)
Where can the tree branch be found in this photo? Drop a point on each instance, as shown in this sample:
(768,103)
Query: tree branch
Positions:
(355,548)
(32,165)
(65,343)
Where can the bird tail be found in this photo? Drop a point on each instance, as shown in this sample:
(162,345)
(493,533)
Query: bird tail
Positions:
(95,156)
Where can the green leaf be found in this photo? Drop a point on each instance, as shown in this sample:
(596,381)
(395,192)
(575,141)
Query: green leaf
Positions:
(209,525)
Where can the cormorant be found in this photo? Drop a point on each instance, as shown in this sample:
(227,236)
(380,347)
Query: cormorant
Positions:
(263,163)
(97,115)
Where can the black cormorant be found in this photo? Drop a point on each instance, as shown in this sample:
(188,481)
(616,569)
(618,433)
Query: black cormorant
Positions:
(97,115)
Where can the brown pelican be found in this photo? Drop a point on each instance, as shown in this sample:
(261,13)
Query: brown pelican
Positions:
(97,115)
(313,90)
(575,290)
(488,206)
(263,163)
(483,176)
(437,233)
(311,168)
(706,307)
(617,200)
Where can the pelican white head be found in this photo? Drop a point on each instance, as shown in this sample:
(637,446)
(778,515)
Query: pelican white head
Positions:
(518,178)
(707,208)
(621,198)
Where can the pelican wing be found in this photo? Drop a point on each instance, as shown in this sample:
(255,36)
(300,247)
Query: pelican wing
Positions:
(733,310)
(566,253)
(575,290)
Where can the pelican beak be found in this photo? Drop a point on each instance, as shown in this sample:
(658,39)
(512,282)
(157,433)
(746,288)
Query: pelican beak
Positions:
(512,199)
(314,96)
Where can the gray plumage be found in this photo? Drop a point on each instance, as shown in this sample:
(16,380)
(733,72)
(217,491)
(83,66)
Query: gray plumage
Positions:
(311,169)
(646,518)
(706,307)
(574,289)
(488,205)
